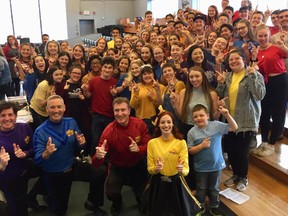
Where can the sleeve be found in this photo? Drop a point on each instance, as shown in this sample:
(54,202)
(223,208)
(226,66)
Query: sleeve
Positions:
(183,156)
(29,148)
(222,127)
(190,140)
(145,137)
(40,140)
(256,85)
(134,101)
(150,157)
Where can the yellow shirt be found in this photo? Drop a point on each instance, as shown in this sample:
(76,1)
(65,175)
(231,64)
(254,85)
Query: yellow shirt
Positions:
(42,92)
(87,78)
(233,90)
(170,151)
(145,107)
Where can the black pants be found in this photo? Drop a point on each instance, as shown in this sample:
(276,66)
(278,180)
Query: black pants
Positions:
(37,119)
(238,145)
(59,185)
(274,106)
(119,176)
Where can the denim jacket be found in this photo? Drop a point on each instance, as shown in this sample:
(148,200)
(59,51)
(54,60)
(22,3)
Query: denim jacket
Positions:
(251,91)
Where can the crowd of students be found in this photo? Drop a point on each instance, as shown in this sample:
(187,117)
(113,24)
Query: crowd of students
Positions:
(202,69)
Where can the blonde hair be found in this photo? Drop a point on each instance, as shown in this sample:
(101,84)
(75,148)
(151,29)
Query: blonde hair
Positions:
(130,76)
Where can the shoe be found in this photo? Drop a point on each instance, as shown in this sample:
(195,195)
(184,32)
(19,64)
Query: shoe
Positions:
(231,181)
(33,204)
(87,159)
(215,211)
(267,151)
(242,184)
(96,209)
(259,148)
(100,212)
(116,208)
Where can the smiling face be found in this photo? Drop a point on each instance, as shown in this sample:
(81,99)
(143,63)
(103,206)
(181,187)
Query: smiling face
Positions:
(63,60)
(283,20)
(236,62)
(145,54)
(176,52)
(200,118)
(220,44)
(95,65)
(57,76)
(212,38)
(55,109)
(197,56)
(166,125)
(263,37)
(7,119)
(52,48)
(135,69)
(158,54)
(148,77)
(75,75)
(40,63)
(168,74)
(77,53)
(25,51)
(121,113)
(107,71)
(123,65)
(256,20)
(211,12)
(195,78)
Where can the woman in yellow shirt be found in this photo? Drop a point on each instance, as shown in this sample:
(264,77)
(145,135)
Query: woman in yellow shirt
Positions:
(167,158)
(144,98)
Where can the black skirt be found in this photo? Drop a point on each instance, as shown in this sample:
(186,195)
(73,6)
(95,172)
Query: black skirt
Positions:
(169,196)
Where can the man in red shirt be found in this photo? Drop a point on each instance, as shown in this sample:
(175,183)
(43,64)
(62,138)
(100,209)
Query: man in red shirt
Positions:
(125,140)
(99,89)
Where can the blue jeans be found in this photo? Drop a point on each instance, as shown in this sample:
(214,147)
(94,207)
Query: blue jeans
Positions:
(207,183)
(99,123)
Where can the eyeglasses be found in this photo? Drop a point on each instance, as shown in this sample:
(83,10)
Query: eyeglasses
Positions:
(241,28)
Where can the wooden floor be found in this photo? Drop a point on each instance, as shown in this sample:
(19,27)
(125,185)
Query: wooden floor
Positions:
(268,185)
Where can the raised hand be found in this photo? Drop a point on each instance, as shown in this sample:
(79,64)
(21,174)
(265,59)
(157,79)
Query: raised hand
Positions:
(67,85)
(180,166)
(133,146)
(150,93)
(159,165)
(4,158)
(80,138)
(221,102)
(223,110)
(253,68)
(18,151)
(113,90)
(100,151)
(50,147)
(221,77)
(206,142)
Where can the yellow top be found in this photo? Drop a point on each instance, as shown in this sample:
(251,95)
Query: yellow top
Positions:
(144,106)
(42,92)
(87,78)
(110,44)
(171,152)
(233,90)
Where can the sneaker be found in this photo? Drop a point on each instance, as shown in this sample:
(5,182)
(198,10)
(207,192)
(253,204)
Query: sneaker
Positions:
(231,181)
(215,211)
(259,148)
(116,208)
(267,151)
(242,184)
(33,204)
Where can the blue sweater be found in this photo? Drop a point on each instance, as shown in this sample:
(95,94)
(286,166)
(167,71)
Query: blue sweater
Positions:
(63,136)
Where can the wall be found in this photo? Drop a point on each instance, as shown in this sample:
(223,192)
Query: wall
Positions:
(107,12)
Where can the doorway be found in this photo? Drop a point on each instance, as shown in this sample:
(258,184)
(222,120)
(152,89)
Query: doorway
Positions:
(86,27)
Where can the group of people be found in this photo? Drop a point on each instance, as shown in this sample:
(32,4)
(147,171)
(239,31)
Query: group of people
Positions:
(147,110)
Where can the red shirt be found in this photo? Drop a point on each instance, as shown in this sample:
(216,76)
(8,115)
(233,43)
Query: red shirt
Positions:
(101,100)
(271,61)
(118,142)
